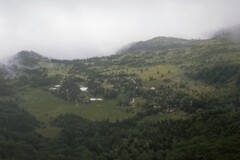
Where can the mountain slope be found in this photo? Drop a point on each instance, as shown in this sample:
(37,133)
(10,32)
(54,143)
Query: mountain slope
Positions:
(165,98)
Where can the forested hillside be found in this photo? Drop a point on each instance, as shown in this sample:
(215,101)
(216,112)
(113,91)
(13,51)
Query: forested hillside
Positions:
(165,98)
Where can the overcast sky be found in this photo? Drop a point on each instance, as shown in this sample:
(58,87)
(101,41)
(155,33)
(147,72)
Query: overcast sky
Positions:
(84,28)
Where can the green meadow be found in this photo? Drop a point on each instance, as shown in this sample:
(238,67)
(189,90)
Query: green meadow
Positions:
(45,107)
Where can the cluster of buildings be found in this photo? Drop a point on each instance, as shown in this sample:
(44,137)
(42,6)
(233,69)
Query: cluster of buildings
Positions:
(82,88)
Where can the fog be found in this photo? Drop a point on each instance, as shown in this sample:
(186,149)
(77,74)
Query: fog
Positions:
(69,29)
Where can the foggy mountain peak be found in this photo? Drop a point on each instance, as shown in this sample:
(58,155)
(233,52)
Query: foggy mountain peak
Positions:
(154,44)
(81,29)
(231,33)
(25,53)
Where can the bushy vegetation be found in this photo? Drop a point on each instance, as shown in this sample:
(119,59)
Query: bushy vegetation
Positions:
(218,74)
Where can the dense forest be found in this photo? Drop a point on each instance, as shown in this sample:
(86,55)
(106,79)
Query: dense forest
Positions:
(213,134)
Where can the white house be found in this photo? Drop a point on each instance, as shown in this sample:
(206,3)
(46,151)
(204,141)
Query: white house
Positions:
(57,86)
(53,88)
(96,99)
(84,89)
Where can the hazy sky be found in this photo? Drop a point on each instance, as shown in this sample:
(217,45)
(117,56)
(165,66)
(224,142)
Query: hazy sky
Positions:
(84,28)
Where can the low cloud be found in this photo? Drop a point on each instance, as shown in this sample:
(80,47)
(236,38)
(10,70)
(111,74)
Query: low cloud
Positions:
(85,28)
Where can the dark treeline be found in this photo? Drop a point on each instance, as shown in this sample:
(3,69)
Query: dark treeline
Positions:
(218,74)
(17,137)
(37,77)
(211,135)
(201,137)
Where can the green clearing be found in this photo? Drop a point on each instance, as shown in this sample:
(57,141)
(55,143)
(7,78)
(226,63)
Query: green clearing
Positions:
(45,106)
(154,71)
(56,69)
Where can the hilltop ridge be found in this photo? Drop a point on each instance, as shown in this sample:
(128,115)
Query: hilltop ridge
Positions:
(155,43)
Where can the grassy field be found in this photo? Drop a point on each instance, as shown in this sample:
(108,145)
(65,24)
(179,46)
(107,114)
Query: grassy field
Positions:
(45,106)
(154,71)
(55,69)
